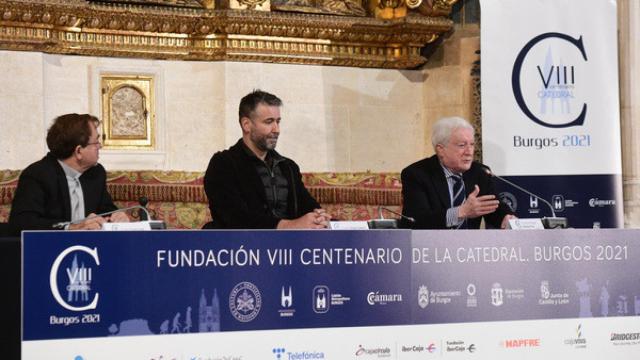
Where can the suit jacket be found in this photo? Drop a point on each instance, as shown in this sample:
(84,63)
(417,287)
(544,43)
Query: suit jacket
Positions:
(42,196)
(425,195)
(236,194)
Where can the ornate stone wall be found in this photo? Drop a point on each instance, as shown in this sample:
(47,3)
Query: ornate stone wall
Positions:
(334,118)
(629,62)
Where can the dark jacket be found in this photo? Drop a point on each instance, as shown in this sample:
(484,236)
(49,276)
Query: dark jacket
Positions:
(42,196)
(425,195)
(236,194)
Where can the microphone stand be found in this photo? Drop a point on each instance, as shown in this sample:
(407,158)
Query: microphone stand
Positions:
(154,224)
(553,222)
(383,223)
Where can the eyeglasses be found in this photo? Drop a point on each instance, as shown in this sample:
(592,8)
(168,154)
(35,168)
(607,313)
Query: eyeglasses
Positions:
(99,143)
(464,146)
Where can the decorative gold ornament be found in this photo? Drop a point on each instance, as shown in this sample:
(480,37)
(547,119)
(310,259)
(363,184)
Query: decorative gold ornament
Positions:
(159,30)
(207,4)
(413,4)
(388,9)
(436,7)
(260,5)
(128,116)
(335,7)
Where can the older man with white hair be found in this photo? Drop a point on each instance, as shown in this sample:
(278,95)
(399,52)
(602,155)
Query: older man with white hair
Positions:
(449,190)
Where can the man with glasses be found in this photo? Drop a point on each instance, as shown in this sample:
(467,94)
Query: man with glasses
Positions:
(449,190)
(67,184)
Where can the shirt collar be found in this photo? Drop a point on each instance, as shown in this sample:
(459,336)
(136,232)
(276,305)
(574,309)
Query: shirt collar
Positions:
(69,171)
(272,155)
(448,173)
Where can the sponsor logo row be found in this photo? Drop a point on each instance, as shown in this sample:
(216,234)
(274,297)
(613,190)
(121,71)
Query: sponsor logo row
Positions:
(575,339)
(245,299)
(558,202)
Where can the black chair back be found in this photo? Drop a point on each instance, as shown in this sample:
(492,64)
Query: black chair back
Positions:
(4,230)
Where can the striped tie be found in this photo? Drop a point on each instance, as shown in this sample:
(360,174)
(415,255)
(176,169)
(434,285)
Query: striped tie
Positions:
(458,196)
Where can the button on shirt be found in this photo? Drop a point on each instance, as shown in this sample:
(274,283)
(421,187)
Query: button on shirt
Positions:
(75,191)
(452,212)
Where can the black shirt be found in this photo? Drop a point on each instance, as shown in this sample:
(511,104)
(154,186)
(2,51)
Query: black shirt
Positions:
(276,186)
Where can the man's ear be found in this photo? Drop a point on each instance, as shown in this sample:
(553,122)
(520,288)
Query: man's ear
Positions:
(77,153)
(439,148)
(245,124)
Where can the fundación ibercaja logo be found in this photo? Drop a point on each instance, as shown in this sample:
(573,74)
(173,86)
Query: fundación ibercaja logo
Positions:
(75,273)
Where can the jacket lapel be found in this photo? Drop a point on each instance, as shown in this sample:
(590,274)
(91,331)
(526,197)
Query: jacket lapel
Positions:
(469,185)
(63,189)
(439,181)
(248,171)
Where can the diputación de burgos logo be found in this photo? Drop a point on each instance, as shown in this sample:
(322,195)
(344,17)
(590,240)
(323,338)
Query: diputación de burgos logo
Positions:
(245,301)
(79,276)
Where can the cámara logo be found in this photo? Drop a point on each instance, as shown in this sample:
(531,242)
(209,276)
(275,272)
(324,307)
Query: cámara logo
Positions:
(374,298)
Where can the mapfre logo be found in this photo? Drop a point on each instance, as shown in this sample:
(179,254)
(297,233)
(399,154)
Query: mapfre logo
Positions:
(520,343)
(78,276)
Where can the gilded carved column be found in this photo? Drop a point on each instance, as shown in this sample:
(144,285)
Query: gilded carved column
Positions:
(629,62)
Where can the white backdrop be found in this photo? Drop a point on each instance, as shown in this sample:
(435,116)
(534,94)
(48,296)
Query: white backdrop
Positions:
(550,105)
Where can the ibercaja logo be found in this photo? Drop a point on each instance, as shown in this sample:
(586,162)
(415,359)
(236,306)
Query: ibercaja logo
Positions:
(71,278)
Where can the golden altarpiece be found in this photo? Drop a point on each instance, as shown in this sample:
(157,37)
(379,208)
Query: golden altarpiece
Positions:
(357,33)
(360,33)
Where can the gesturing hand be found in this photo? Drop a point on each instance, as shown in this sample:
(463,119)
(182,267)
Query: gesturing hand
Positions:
(475,206)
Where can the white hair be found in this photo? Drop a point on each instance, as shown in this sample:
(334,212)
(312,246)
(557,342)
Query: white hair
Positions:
(444,127)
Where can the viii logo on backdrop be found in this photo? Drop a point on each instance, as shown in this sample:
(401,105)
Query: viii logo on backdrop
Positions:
(557,80)
(79,276)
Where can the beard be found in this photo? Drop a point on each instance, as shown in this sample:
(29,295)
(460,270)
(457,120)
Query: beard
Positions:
(265,142)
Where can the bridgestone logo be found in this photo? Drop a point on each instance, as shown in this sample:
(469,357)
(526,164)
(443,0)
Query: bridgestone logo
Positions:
(625,337)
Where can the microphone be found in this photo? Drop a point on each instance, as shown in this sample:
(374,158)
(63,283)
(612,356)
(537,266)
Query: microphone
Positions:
(550,223)
(63,224)
(408,218)
(144,215)
(383,223)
